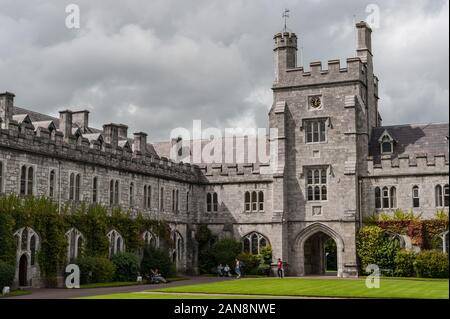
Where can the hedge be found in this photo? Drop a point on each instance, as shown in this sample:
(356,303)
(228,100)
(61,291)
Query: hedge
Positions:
(7,273)
(95,269)
(404,264)
(431,264)
(127,266)
(155,258)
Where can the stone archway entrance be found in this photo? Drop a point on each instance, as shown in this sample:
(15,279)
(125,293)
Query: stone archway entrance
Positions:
(320,255)
(23,270)
(318,248)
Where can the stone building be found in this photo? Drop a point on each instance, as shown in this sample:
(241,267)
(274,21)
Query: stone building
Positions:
(335,165)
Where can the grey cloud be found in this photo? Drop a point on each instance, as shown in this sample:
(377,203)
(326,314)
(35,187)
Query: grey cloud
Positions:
(156,65)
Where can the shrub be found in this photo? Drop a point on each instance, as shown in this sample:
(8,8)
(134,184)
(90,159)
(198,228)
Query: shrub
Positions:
(127,266)
(404,263)
(431,264)
(249,263)
(263,270)
(157,258)
(225,251)
(266,255)
(7,273)
(95,269)
(368,242)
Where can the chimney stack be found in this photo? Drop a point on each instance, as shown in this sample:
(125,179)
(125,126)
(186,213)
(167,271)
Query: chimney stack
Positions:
(123,132)
(6,109)
(364,41)
(65,123)
(111,134)
(140,143)
(81,119)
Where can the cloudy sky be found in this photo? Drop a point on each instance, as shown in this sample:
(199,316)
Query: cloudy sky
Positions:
(159,64)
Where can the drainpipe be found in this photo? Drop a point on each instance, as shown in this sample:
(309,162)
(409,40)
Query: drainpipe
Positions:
(360,201)
(59,187)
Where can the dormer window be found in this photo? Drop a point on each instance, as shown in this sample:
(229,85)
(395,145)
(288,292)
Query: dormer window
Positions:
(386,143)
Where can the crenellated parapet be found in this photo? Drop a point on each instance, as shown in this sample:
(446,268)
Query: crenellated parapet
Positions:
(408,164)
(25,138)
(334,73)
(243,172)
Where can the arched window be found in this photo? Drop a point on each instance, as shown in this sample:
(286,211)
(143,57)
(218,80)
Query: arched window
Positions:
(147,196)
(111,192)
(317,193)
(116,193)
(438,195)
(72,186)
(30,180)
(74,244)
(261,201)
(310,193)
(393,197)
(77,187)
(149,239)
(177,250)
(377,198)
(23,180)
(28,243)
(385,197)
(95,190)
(247,201)
(51,184)
(446,196)
(415,196)
(116,243)
(212,202)
(254,201)
(253,243)
(131,197)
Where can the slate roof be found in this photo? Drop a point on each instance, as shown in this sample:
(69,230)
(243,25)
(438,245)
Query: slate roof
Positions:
(413,139)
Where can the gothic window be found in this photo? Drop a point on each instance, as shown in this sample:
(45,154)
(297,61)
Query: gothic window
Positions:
(74,186)
(253,243)
(247,202)
(254,201)
(147,197)
(377,198)
(316,181)
(52,184)
(177,199)
(116,243)
(386,143)
(30,180)
(187,201)
(212,202)
(28,243)
(161,199)
(442,195)
(95,190)
(23,180)
(131,195)
(116,192)
(385,197)
(315,131)
(75,243)
(393,197)
(177,250)
(26,180)
(415,196)
(150,239)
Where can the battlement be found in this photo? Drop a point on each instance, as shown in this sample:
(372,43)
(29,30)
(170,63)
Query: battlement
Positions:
(235,172)
(356,70)
(408,164)
(25,138)
(285,39)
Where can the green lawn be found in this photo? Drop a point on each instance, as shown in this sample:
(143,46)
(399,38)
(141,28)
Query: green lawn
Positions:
(137,295)
(389,288)
(16,293)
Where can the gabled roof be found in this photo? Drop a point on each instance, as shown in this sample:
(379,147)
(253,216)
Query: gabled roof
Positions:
(50,125)
(431,139)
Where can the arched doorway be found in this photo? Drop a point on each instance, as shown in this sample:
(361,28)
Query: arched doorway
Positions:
(23,270)
(318,251)
(320,255)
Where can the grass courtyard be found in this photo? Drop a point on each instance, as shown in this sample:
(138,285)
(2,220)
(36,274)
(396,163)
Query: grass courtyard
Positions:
(298,287)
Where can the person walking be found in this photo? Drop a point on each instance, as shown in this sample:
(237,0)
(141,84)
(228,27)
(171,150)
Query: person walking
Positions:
(237,269)
(280,268)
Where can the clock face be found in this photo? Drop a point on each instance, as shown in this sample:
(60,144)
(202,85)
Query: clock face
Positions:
(315,102)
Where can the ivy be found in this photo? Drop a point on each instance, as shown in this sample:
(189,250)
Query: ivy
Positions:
(93,221)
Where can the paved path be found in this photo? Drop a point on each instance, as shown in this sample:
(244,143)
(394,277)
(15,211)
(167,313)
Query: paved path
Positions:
(46,293)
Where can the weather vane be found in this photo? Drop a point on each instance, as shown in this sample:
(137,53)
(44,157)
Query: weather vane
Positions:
(285,16)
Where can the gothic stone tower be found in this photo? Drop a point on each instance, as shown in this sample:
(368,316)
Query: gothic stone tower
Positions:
(324,118)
